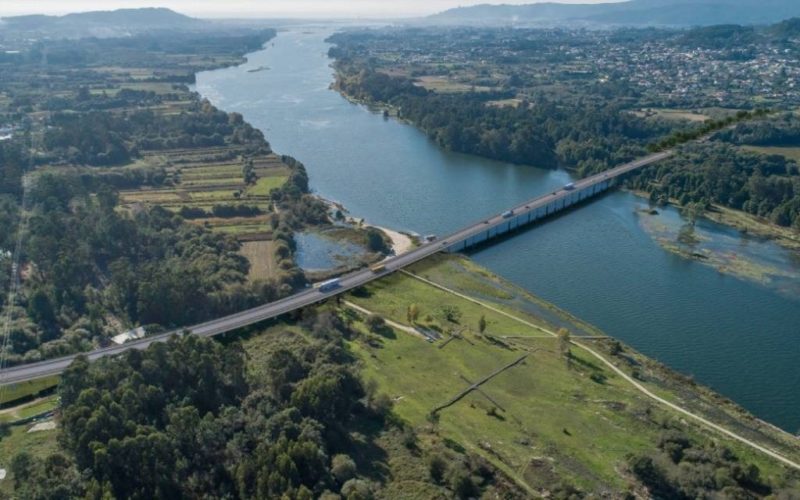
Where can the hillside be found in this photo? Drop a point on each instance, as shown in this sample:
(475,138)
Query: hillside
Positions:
(633,12)
(102,23)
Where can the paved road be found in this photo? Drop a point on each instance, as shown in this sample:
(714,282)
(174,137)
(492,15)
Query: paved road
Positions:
(311,296)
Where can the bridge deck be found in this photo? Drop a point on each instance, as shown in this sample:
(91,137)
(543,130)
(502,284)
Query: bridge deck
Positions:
(465,237)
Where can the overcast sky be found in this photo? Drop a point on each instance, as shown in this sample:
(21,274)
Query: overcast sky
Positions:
(260,8)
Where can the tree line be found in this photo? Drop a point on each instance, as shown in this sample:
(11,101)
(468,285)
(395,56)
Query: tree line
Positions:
(193,418)
(761,185)
(586,135)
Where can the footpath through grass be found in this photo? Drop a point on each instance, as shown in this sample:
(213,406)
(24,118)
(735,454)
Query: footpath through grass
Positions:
(545,420)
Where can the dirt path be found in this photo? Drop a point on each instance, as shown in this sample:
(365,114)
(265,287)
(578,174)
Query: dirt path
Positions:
(15,409)
(393,324)
(622,374)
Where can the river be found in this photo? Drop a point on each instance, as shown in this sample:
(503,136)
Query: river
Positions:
(600,262)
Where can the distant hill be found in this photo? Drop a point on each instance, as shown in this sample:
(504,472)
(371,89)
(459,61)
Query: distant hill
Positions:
(789,28)
(632,13)
(102,23)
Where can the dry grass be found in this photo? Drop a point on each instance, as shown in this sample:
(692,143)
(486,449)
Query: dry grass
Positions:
(443,85)
(672,114)
(791,153)
(505,103)
(261,255)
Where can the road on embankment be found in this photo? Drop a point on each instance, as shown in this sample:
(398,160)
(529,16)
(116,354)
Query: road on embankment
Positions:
(311,295)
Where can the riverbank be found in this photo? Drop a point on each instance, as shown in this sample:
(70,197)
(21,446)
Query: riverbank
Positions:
(583,418)
(742,221)
(745,223)
(400,242)
(728,333)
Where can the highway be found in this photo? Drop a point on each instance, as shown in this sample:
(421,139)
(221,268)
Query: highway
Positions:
(311,295)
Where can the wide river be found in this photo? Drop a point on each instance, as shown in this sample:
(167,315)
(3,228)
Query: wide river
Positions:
(598,262)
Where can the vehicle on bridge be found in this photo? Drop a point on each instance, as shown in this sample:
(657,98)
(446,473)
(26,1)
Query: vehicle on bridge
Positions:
(570,186)
(507,214)
(430,237)
(330,285)
(378,268)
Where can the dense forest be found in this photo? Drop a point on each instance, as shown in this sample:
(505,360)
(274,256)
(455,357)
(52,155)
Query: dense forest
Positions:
(91,269)
(765,185)
(193,418)
(103,138)
(589,135)
(592,128)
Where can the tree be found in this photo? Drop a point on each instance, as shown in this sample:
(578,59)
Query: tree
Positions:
(482,324)
(357,489)
(564,342)
(451,313)
(375,323)
(461,481)
(437,466)
(343,468)
(376,242)
(412,313)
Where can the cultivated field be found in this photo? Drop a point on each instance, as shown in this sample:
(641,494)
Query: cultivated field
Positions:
(788,152)
(203,178)
(261,255)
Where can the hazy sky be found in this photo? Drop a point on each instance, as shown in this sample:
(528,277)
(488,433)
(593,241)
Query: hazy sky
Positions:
(261,8)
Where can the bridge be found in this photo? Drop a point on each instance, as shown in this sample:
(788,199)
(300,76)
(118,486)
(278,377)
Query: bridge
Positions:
(474,234)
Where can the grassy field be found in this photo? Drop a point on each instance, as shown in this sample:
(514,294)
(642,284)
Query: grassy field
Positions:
(13,392)
(444,85)
(264,185)
(576,421)
(261,255)
(38,444)
(672,114)
(28,410)
(503,103)
(791,153)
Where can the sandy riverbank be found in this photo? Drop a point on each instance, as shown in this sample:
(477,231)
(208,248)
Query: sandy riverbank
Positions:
(401,242)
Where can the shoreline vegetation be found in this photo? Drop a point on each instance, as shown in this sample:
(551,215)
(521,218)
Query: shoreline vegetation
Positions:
(737,219)
(518,98)
(401,242)
(746,224)
(334,400)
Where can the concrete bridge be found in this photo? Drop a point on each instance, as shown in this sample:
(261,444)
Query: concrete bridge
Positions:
(544,206)
(480,232)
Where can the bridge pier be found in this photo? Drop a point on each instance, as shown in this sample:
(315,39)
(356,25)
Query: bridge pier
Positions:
(531,216)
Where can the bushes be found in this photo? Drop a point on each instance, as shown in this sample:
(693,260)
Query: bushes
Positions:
(227,211)
(709,126)
(765,186)
(183,419)
(682,470)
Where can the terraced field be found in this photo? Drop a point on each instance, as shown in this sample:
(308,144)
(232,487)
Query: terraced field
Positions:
(207,177)
(203,178)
